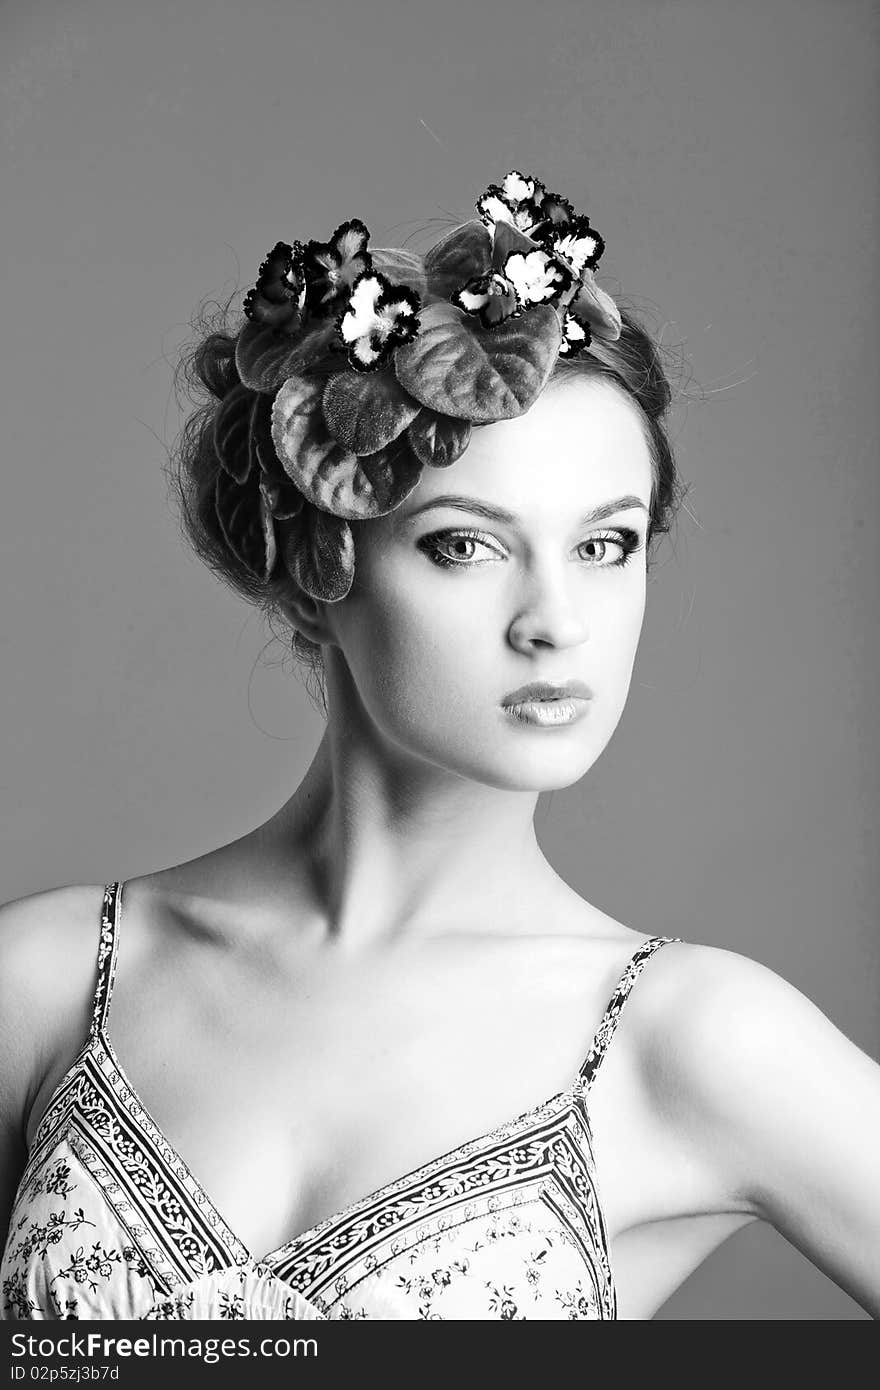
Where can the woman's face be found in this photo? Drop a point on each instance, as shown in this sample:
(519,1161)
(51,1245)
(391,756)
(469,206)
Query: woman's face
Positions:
(451,610)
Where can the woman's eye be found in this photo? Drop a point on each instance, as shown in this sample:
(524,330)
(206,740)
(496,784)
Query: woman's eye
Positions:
(453,547)
(600,546)
(456,548)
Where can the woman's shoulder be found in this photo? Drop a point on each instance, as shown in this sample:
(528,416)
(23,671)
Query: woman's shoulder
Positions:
(695,1011)
(48,968)
(49,945)
(693,998)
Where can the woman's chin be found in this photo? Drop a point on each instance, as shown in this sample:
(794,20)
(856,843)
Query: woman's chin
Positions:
(534,773)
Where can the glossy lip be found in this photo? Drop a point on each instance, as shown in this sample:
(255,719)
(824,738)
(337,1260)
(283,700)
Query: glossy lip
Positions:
(543,690)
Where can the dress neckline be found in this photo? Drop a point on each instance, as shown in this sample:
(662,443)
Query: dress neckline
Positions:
(127,1095)
(99,1045)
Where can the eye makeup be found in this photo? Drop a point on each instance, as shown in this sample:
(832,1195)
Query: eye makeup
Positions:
(625,538)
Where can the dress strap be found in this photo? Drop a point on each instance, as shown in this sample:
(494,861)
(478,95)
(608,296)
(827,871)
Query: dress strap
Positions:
(107,948)
(605,1031)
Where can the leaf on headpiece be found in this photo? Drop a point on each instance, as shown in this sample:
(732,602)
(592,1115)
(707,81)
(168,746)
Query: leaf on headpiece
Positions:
(281,497)
(282,500)
(401,266)
(318,553)
(267,520)
(328,475)
(593,307)
(506,241)
(438,440)
(245,523)
(465,254)
(364,412)
(264,359)
(476,374)
(231,432)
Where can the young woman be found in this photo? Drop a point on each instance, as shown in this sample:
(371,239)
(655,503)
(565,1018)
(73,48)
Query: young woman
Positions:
(375,1058)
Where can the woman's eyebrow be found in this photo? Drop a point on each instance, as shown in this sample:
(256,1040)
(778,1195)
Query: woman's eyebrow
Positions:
(473,504)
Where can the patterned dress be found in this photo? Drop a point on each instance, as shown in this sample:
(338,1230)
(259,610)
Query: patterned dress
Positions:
(109,1222)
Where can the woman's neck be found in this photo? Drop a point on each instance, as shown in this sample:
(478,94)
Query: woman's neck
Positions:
(393,847)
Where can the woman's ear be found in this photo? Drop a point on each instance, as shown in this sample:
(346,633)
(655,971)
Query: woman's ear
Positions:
(307,615)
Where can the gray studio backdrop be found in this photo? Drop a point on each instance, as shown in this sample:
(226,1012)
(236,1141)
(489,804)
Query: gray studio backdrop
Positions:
(151,154)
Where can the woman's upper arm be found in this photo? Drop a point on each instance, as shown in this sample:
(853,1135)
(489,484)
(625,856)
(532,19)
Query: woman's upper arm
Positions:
(48,951)
(787,1110)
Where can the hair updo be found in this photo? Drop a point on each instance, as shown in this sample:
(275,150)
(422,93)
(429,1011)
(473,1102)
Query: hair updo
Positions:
(207,365)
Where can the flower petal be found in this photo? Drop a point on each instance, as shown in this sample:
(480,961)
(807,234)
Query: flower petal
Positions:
(379,317)
(579,244)
(537,277)
(365,412)
(520,188)
(481,375)
(331,267)
(493,207)
(438,440)
(575,337)
(277,299)
(556,209)
(511,202)
(492,299)
(328,475)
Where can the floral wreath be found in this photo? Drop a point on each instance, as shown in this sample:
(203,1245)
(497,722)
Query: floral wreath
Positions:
(359,367)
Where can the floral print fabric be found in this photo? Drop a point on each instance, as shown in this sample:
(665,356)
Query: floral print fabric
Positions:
(109,1222)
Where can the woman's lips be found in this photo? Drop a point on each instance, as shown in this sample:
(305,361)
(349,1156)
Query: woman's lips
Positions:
(549,714)
(547,690)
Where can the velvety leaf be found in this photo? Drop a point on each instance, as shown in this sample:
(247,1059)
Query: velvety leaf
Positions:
(593,306)
(507,240)
(268,522)
(328,475)
(464,254)
(478,374)
(401,267)
(282,497)
(364,412)
(262,447)
(318,553)
(232,431)
(242,522)
(264,359)
(438,440)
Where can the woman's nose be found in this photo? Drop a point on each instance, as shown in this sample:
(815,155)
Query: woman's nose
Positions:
(553,611)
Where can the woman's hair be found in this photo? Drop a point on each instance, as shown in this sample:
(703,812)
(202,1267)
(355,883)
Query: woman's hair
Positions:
(207,365)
